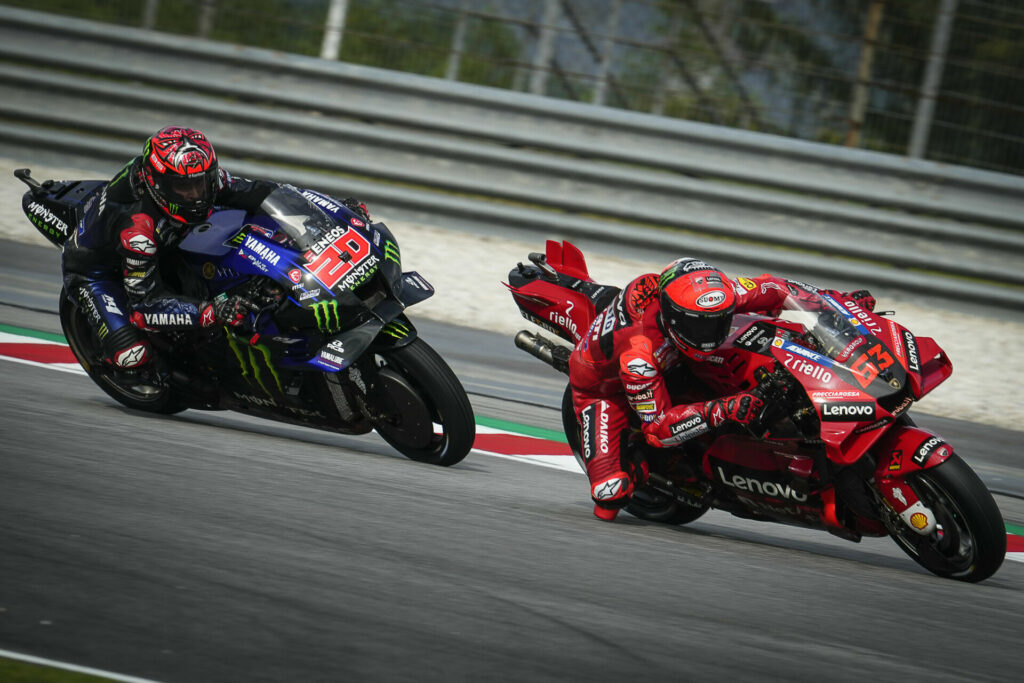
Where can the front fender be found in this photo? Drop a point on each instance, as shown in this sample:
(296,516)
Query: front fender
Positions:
(904,449)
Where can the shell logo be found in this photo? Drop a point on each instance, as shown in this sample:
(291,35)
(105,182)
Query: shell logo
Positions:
(711,299)
(919,520)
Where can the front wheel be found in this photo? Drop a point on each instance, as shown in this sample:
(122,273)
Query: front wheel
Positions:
(969,541)
(87,349)
(426,413)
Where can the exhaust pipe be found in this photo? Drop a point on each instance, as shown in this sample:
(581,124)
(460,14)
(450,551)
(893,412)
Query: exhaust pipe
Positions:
(555,355)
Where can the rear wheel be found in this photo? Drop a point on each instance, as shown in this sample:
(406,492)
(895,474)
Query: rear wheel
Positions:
(571,426)
(656,506)
(122,387)
(427,415)
(969,541)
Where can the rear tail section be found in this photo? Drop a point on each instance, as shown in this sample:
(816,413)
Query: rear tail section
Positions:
(56,208)
(566,258)
(556,291)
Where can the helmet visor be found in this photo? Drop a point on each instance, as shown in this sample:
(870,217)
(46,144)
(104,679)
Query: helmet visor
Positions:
(701,332)
(188,190)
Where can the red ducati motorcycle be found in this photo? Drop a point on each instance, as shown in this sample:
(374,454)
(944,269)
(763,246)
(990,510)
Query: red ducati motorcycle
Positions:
(834,448)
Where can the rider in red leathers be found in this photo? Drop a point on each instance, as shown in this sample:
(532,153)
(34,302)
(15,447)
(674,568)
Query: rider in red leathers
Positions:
(616,370)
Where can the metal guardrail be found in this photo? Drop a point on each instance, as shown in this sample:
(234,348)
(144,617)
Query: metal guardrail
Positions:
(502,159)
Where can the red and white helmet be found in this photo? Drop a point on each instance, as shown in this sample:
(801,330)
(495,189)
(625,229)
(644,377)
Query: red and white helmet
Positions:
(697,303)
(180,173)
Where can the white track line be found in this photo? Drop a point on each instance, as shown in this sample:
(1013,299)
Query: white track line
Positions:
(73,667)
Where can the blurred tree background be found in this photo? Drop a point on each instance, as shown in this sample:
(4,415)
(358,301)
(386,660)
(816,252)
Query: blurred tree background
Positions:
(849,72)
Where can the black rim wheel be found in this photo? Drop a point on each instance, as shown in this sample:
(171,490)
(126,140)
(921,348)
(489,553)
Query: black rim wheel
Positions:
(427,415)
(969,540)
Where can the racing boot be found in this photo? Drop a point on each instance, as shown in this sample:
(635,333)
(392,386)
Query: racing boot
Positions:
(611,494)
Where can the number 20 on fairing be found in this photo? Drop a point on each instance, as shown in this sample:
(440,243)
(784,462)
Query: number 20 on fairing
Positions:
(338,259)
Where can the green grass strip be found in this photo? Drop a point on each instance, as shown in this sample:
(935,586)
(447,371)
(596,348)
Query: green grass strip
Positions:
(20,672)
(1014,529)
(538,432)
(48,336)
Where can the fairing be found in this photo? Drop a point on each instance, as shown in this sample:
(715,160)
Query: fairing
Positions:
(338,272)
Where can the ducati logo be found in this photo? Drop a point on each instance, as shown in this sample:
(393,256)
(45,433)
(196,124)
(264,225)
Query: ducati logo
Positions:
(897,493)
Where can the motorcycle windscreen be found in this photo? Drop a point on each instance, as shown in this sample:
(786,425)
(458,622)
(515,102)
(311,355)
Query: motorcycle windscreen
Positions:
(852,340)
(302,220)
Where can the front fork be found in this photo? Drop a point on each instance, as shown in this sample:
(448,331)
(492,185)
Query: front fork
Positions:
(903,451)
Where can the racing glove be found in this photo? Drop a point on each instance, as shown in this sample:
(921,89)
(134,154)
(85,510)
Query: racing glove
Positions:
(690,420)
(357,207)
(226,310)
(742,409)
(863,298)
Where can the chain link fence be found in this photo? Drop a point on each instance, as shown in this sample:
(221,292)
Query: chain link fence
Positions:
(937,79)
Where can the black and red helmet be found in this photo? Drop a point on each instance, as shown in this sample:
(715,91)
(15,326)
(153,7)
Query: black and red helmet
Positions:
(697,303)
(180,173)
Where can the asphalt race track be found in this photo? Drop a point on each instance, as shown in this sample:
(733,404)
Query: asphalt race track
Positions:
(215,547)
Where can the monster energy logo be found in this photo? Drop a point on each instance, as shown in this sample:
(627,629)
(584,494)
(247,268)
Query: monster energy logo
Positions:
(256,365)
(391,251)
(328,319)
(396,329)
(125,169)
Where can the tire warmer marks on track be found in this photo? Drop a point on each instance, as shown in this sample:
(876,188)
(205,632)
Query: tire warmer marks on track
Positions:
(494,437)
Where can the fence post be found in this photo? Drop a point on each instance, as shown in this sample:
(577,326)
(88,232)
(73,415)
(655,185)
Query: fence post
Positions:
(149,12)
(207,10)
(867,59)
(330,48)
(458,43)
(541,66)
(932,77)
(606,52)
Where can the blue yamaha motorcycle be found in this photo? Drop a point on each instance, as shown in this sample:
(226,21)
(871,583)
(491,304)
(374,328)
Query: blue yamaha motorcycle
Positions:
(329,347)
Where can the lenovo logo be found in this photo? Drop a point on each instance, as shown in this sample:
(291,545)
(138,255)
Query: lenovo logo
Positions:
(764,488)
(848,412)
